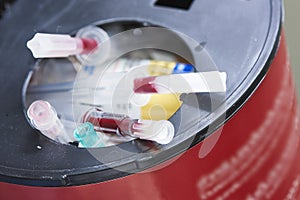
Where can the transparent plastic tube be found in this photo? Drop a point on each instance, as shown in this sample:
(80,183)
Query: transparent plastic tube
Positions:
(44,118)
(161,131)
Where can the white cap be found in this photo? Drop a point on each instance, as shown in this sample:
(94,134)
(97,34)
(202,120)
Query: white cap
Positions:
(44,45)
(161,131)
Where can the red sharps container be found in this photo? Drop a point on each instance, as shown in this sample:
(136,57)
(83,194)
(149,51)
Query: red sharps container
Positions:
(242,144)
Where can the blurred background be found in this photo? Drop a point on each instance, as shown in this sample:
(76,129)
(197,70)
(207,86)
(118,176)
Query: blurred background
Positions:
(292,31)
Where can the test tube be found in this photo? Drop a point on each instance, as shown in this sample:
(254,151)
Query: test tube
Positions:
(161,131)
(44,118)
(213,81)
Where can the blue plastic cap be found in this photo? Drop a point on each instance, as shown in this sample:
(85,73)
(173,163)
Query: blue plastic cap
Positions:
(183,68)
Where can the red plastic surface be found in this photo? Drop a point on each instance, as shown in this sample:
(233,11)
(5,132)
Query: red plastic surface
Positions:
(255,157)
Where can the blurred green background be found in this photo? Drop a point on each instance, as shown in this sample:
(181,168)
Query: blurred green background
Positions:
(292,31)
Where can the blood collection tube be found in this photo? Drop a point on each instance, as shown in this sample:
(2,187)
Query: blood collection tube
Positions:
(161,131)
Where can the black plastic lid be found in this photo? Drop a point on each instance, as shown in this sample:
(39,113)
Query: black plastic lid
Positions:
(241,38)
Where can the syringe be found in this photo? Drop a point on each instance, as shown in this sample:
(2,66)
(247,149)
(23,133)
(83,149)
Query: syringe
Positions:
(161,131)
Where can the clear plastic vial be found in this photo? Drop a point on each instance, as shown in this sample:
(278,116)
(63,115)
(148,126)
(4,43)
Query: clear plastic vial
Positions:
(44,118)
(161,131)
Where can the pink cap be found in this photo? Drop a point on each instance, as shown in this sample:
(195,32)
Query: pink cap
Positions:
(41,114)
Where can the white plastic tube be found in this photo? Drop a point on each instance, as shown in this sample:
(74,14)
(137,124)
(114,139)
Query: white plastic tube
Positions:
(213,81)
(44,45)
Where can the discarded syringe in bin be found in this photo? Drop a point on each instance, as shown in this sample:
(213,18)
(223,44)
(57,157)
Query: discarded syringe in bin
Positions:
(161,131)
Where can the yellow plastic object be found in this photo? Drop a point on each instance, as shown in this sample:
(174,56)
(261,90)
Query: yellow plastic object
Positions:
(161,106)
(159,68)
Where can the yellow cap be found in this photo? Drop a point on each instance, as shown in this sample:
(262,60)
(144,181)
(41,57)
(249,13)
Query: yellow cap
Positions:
(161,106)
(158,68)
